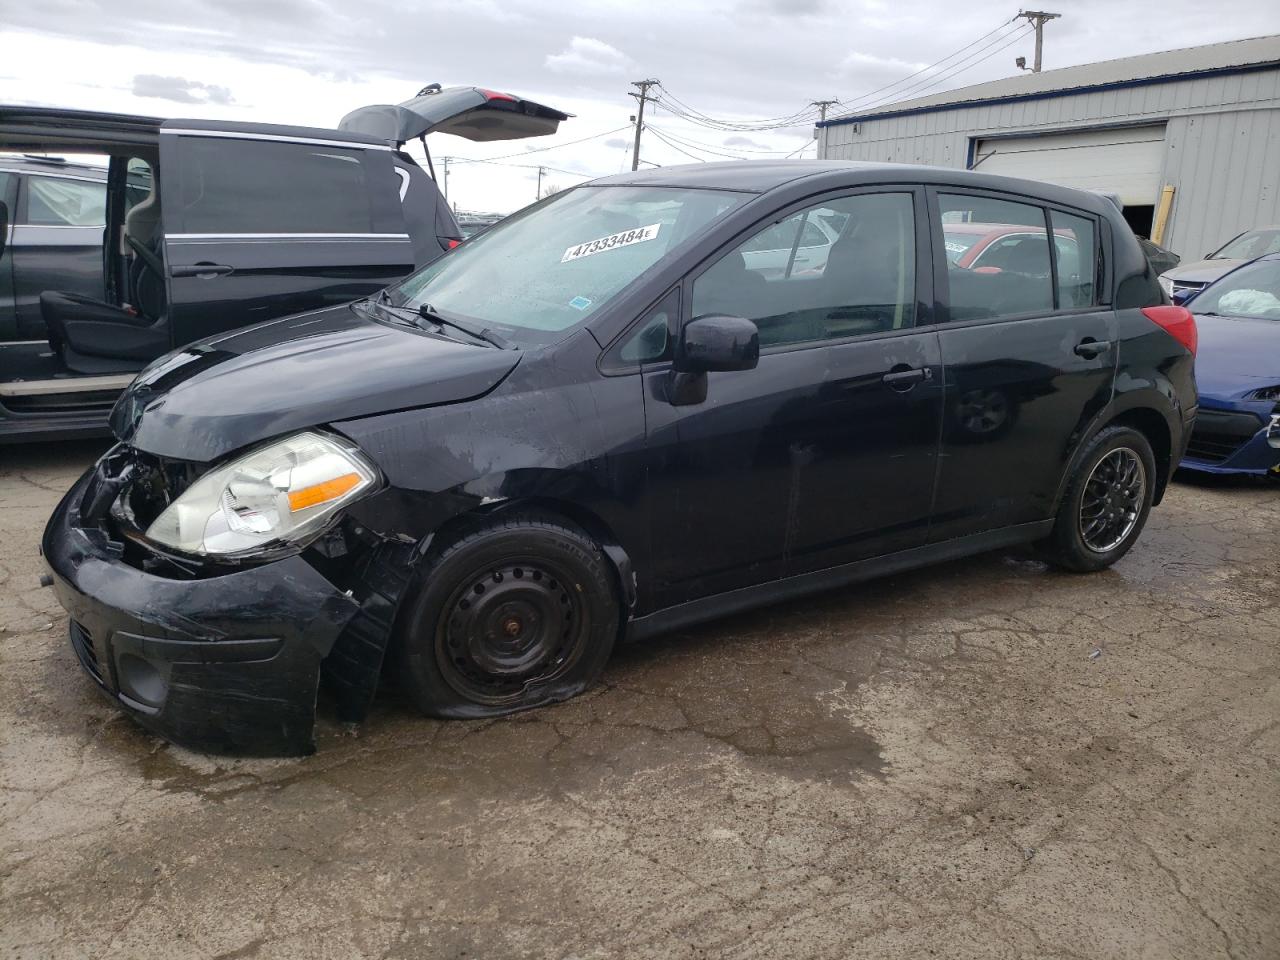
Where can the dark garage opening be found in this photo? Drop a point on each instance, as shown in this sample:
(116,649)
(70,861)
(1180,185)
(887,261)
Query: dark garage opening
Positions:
(1139,218)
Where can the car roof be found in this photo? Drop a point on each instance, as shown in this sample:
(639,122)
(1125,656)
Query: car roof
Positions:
(762,176)
(50,165)
(38,128)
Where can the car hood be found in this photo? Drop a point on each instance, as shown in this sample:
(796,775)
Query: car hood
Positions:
(471,112)
(1202,271)
(1236,355)
(208,399)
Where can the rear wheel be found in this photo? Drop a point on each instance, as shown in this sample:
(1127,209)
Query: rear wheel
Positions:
(510,617)
(1106,504)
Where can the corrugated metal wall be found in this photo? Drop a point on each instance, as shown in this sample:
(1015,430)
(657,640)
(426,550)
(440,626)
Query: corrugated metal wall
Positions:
(1222,144)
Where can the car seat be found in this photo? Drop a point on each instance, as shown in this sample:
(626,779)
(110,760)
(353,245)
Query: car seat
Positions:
(93,336)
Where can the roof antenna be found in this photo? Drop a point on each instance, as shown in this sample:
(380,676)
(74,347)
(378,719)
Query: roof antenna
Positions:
(429,89)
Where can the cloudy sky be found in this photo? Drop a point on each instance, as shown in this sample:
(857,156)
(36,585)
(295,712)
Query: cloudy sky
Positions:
(738,62)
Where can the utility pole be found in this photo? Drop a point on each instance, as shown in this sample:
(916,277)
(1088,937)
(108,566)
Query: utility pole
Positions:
(1038,18)
(444,182)
(541,171)
(822,106)
(642,98)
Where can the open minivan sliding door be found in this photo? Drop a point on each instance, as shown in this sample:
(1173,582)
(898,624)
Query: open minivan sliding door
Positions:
(261,222)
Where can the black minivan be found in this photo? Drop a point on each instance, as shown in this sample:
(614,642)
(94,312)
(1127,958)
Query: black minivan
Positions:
(595,422)
(236,223)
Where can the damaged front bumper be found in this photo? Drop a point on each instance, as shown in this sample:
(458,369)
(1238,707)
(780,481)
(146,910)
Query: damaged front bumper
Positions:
(225,663)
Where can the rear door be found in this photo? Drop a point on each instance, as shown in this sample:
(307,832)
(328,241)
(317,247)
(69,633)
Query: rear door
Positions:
(57,243)
(258,226)
(1028,350)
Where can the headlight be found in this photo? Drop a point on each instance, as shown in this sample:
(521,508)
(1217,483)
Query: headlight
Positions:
(284,491)
(1166,285)
(1273,430)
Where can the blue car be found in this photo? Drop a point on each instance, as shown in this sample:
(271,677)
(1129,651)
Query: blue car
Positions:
(1238,372)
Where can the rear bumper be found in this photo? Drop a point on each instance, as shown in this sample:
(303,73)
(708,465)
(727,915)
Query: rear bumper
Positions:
(224,664)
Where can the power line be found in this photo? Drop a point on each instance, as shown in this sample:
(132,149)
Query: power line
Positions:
(951,56)
(919,88)
(732,151)
(554,146)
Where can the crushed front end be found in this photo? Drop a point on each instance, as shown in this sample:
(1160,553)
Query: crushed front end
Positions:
(220,655)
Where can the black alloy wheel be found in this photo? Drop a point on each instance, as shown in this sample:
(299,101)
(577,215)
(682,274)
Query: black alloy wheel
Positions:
(1106,502)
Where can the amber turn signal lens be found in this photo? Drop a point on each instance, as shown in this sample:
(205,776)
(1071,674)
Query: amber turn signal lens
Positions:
(322,492)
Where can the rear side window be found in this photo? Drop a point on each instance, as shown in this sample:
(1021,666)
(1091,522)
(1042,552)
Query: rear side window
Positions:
(263,186)
(998,260)
(1076,244)
(54,202)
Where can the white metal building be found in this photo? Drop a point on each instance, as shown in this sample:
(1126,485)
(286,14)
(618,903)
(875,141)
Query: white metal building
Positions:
(1189,139)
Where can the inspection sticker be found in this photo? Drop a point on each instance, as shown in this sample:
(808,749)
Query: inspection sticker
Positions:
(611,242)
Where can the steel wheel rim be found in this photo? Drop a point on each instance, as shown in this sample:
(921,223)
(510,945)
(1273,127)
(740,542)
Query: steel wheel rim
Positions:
(508,626)
(1112,501)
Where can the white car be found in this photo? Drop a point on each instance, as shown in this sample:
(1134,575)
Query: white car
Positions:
(769,253)
(1189,278)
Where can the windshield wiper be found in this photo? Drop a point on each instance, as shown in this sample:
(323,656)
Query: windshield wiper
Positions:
(484,334)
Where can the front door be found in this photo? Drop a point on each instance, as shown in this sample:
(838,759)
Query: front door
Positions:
(824,453)
(259,227)
(1029,354)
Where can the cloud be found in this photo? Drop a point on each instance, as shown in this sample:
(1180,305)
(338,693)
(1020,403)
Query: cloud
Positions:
(180,90)
(617,143)
(745,142)
(867,63)
(588,55)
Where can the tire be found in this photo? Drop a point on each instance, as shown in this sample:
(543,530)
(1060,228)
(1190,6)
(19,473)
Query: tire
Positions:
(1106,503)
(512,616)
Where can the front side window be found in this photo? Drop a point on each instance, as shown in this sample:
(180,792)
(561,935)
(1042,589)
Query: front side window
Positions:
(863,282)
(54,202)
(540,273)
(998,262)
(258,186)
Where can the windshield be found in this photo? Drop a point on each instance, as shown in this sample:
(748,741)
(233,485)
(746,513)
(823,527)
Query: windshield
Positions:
(1250,246)
(1252,291)
(537,274)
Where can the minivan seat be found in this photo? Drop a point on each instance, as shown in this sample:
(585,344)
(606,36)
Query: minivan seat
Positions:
(93,336)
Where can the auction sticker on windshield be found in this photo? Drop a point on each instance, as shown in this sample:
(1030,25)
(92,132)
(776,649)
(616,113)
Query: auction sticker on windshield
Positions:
(623,239)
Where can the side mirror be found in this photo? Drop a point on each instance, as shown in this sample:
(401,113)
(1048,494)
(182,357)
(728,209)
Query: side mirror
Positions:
(714,342)
(4,226)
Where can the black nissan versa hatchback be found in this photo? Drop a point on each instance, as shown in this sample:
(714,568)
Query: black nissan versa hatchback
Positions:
(595,422)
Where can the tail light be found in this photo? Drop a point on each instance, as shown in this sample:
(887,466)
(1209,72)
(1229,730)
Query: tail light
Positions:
(450,244)
(1178,321)
(495,95)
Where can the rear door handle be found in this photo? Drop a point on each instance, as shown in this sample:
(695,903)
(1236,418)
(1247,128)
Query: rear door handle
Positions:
(1092,348)
(902,377)
(204,271)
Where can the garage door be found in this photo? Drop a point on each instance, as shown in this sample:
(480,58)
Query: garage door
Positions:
(1125,161)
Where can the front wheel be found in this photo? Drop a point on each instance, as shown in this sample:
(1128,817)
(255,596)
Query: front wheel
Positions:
(1106,503)
(513,616)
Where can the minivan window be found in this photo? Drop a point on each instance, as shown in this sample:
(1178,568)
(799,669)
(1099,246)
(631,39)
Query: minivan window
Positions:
(863,282)
(255,186)
(540,273)
(1076,246)
(997,257)
(55,202)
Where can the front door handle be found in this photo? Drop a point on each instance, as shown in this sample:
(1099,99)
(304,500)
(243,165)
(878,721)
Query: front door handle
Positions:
(205,271)
(1090,348)
(903,377)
